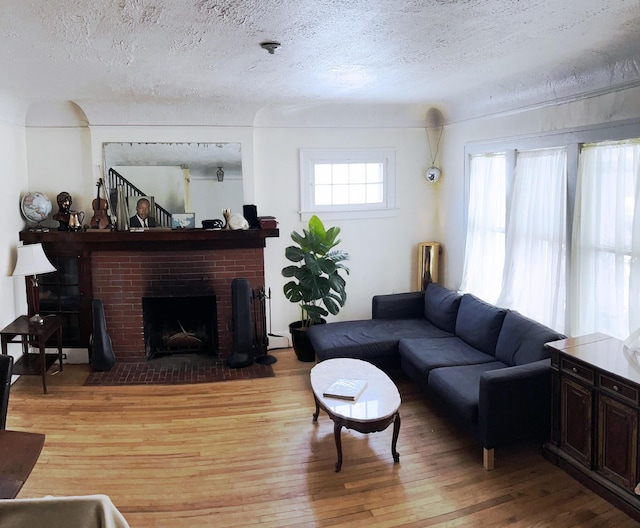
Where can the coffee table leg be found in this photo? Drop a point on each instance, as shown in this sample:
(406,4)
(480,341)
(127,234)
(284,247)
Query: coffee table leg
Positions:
(336,432)
(315,414)
(394,438)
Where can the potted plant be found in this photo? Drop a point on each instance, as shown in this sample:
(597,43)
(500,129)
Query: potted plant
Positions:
(316,281)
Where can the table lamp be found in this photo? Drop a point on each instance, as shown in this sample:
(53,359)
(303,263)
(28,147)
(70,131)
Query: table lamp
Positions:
(32,261)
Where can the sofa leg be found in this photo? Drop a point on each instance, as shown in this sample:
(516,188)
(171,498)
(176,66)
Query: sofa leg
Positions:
(487,459)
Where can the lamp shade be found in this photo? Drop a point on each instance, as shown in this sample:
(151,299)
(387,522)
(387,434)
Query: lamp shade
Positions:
(32,261)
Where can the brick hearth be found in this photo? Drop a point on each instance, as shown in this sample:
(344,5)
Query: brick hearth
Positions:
(122,278)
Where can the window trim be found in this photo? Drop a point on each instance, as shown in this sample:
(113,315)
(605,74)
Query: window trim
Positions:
(310,157)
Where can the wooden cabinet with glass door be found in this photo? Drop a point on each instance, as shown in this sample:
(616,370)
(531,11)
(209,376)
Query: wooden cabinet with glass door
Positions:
(63,293)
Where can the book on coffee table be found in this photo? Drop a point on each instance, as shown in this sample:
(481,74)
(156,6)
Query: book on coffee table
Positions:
(345,389)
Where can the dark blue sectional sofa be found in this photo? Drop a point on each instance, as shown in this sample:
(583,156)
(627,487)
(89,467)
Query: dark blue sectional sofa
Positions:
(486,366)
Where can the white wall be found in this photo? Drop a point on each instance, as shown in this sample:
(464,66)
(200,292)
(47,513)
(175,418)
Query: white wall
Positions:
(383,251)
(59,159)
(13,171)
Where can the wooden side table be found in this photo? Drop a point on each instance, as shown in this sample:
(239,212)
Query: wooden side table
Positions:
(33,334)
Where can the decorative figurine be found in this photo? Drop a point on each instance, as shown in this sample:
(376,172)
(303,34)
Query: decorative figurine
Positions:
(64,206)
(69,220)
(227,215)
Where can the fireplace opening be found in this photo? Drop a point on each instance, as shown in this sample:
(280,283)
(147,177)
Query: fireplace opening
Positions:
(179,325)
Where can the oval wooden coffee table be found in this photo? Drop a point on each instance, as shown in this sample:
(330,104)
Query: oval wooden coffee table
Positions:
(374,410)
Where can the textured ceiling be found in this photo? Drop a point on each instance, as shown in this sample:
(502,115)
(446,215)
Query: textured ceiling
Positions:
(482,54)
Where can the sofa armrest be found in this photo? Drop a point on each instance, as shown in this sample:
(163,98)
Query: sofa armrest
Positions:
(398,306)
(515,404)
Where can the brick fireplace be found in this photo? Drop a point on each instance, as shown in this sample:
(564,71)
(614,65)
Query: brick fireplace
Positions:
(123,268)
(123,278)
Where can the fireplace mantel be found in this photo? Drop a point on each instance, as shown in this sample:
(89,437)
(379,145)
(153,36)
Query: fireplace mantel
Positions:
(156,239)
(110,265)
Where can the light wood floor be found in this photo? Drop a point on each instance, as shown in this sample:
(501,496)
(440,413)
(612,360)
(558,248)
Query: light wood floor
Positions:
(245,453)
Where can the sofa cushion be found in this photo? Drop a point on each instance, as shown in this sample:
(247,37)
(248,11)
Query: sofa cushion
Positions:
(459,388)
(424,355)
(522,340)
(408,305)
(479,323)
(441,306)
(367,339)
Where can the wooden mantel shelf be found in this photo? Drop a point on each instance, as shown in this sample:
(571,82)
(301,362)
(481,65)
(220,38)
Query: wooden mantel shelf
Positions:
(157,239)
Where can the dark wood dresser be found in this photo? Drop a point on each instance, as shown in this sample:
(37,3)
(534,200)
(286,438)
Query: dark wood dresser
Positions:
(595,408)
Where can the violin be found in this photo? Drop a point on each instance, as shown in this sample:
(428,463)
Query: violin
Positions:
(100,219)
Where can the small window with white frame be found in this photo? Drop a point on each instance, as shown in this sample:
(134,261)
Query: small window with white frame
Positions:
(347,183)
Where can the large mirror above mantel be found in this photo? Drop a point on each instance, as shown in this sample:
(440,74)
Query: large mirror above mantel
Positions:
(200,178)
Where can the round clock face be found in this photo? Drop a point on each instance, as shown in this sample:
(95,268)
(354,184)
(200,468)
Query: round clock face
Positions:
(433,174)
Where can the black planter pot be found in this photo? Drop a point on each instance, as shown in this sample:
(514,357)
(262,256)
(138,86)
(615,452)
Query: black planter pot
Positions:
(301,344)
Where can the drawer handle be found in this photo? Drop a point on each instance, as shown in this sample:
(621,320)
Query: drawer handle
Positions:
(574,369)
(616,388)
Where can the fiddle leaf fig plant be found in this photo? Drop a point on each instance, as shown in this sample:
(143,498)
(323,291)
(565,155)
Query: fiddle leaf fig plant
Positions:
(316,281)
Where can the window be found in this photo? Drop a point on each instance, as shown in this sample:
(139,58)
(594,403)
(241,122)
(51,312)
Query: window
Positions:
(486,221)
(516,235)
(535,250)
(570,251)
(606,245)
(346,183)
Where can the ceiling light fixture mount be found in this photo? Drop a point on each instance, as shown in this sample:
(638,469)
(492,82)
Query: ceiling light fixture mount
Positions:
(270,46)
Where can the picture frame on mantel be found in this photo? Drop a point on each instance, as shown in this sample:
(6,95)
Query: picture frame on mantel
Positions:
(145,204)
(183,221)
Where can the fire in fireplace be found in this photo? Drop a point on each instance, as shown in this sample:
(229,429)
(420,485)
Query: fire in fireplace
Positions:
(178,325)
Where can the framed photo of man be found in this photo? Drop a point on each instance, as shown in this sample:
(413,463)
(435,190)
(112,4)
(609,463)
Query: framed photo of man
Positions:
(141,212)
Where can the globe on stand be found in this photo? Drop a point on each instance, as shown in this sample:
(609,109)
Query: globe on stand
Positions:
(36,207)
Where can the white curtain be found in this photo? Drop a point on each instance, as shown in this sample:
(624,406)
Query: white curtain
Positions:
(535,257)
(606,241)
(484,256)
